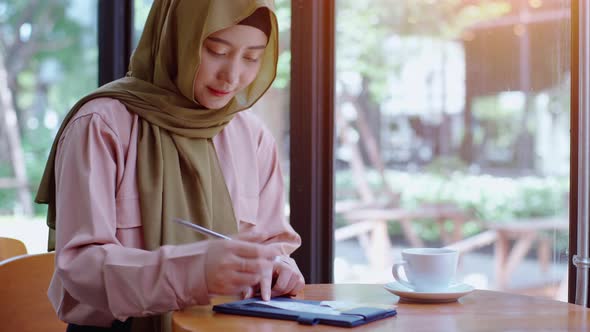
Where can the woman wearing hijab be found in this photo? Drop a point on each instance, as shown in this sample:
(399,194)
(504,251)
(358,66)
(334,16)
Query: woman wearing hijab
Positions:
(171,140)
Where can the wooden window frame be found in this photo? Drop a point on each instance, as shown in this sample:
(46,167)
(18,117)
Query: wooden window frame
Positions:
(311,135)
(574,121)
(115,39)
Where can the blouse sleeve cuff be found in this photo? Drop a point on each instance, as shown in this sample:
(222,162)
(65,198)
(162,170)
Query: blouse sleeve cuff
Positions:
(187,273)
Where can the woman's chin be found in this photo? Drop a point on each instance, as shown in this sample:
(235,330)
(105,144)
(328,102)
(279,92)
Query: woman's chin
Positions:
(213,104)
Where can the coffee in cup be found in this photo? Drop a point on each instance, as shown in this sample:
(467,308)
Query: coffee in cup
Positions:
(426,269)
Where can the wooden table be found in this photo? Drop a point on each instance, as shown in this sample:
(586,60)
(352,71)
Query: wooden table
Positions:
(478,311)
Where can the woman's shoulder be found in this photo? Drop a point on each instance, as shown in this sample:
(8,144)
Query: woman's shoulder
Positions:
(106,111)
(107,108)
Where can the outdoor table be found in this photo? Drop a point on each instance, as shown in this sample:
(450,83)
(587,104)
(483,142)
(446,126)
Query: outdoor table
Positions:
(524,232)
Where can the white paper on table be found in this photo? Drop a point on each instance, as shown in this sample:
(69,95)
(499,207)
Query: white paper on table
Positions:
(298,306)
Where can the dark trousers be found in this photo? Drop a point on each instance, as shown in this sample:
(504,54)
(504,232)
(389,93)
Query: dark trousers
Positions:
(117,326)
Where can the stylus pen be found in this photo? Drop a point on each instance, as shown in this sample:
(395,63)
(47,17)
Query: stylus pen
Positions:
(201,229)
(207,231)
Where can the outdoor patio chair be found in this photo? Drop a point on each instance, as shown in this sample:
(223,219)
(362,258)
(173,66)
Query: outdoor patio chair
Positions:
(24,305)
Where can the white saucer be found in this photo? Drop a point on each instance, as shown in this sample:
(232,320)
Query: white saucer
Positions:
(453,293)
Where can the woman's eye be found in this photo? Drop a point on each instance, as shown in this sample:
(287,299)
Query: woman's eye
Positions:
(216,52)
(251,59)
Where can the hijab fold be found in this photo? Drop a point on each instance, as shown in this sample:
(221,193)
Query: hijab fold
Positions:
(178,173)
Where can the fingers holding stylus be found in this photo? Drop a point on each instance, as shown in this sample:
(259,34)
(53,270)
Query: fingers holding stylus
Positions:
(252,237)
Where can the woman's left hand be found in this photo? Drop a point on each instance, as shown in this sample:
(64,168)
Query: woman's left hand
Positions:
(287,280)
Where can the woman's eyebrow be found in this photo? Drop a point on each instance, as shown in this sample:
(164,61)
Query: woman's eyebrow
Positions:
(223,41)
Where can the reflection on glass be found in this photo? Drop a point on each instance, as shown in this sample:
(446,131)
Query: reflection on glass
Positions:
(48,59)
(452,129)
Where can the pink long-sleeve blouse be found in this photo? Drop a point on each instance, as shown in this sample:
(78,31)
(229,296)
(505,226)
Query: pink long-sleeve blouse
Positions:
(102,273)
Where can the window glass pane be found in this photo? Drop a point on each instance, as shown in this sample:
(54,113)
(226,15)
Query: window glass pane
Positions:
(273,107)
(141,10)
(48,59)
(452,129)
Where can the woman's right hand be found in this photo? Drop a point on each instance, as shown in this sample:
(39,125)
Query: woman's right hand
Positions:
(232,267)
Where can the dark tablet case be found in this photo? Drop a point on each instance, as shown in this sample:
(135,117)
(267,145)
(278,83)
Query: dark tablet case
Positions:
(349,318)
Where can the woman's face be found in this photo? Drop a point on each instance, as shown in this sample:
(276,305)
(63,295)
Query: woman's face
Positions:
(230,60)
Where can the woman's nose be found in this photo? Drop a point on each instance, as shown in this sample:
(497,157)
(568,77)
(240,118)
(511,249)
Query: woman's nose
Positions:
(229,73)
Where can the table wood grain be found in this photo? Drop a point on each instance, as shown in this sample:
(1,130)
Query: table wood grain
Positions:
(480,310)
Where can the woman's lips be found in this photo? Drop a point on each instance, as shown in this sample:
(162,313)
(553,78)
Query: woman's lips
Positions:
(218,93)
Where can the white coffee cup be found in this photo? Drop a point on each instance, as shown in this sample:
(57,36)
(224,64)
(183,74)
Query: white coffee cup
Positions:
(426,269)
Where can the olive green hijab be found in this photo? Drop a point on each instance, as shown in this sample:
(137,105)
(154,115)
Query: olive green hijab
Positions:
(178,171)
